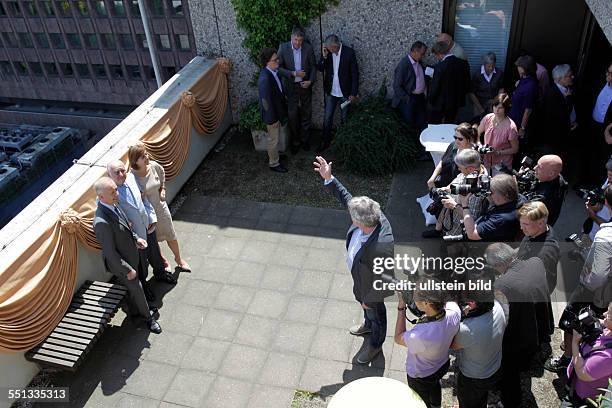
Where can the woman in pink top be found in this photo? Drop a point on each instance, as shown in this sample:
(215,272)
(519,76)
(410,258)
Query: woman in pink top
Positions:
(500,133)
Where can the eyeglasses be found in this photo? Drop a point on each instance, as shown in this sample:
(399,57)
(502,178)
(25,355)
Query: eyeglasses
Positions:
(461,139)
(274,59)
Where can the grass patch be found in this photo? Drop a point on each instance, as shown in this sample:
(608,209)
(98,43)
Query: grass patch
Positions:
(307,399)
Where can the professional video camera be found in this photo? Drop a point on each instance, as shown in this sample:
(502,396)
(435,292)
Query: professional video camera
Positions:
(593,197)
(525,178)
(586,323)
(437,195)
(477,184)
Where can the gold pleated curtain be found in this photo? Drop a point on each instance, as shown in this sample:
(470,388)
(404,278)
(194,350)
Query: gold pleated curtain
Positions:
(37,288)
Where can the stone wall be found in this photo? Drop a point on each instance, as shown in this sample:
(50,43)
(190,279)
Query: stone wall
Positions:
(380,31)
(602,10)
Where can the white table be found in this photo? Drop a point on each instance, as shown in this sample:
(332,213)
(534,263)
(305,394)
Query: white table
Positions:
(377,392)
(436,139)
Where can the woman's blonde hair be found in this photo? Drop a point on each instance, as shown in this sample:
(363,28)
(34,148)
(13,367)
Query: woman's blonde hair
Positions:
(533,210)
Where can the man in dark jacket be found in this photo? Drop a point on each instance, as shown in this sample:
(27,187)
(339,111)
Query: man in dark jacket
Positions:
(369,240)
(340,82)
(272,103)
(409,88)
(559,112)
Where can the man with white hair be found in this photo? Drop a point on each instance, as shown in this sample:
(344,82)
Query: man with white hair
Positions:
(559,112)
(455,48)
(369,237)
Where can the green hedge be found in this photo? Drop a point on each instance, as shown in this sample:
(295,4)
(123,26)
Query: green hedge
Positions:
(250,118)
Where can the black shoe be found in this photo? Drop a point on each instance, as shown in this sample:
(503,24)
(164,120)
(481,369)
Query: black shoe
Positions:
(279,169)
(558,364)
(306,146)
(432,233)
(153,326)
(322,147)
(166,277)
(149,293)
(154,312)
(295,148)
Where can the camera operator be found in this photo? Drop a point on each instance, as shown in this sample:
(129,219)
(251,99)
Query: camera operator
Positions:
(591,365)
(551,185)
(599,213)
(499,222)
(449,220)
(594,288)
(523,283)
(479,347)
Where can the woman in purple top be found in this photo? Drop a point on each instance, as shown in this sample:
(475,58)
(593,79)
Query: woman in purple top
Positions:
(428,341)
(525,95)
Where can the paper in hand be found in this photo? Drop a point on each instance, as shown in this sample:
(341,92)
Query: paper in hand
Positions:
(429,71)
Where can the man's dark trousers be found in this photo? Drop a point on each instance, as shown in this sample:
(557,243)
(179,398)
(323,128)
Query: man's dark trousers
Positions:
(414,112)
(299,105)
(330,108)
(154,254)
(376,320)
(473,392)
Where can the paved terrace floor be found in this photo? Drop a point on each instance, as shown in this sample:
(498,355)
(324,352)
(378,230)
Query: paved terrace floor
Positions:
(264,312)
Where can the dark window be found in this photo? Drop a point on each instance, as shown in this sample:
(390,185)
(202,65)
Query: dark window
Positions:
(176,7)
(81,5)
(26,40)
(169,72)
(101,8)
(50,68)
(14,8)
(82,70)
(118,8)
(6,68)
(30,8)
(22,68)
(99,70)
(91,41)
(2,13)
(133,71)
(57,41)
(36,68)
(10,40)
(163,42)
(41,40)
(116,71)
(142,41)
(63,7)
(150,72)
(157,7)
(182,41)
(74,40)
(47,8)
(67,70)
(134,8)
(108,41)
(126,41)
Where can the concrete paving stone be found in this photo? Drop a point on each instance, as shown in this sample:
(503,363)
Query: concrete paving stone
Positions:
(205,354)
(165,404)
(398,358)
(188,221)
(396,375)
(204,223)
(238,227)
(313,283)
(150,380)
(245,273)
(258,251)
(181,227)
(169,348)
(196,204)
(228,393)
(265,396)
(256,331)
(304,309)
(248,209)
(220,325)
(271,226)
(341,266)
(133,401)
(321,373)
(97,399)
(278,277)
(212,269)
(321,260)
(332,344)
(282,370)
(189,387)
(341,287)
(340,314)
(279,213)
(221,207)
(228,248)
(301,235)
(186,319)
(134,343)
(234,298)
(356,371)
(382,360)
(243,362)
(305,216)
(336,219)
(195,243)
(294,337)
(268,232)
(172,294)
(330,243)
(269,303)
(201,293)
(288,255)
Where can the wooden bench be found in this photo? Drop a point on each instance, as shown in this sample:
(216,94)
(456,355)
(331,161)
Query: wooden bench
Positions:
(92,308)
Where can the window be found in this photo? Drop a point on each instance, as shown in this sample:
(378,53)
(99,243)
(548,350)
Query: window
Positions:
(81,6)
(99,70)
(91,41)
(108,41)
(63,7)
(30,8)
(36,68)
(14,8)
(163,42)
(6,68)
(2,13)
(169,72)
(51,69)
(47,8)
(82,70)
(134,8)
(67,70)
(74,40)
(22,68)
(116,71)
(176,7)
(156,7)
(182,40)
(57,41)
(9,40)
(41,40)
(101,8)
(142,41)
(133,71)
(150,72)
(126,42)
(26,40)
(482,29)
(118,8)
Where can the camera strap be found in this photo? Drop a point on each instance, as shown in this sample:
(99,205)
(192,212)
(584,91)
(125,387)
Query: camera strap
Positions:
(429,319)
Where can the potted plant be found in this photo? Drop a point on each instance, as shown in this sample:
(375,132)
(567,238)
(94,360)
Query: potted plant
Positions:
(250,121)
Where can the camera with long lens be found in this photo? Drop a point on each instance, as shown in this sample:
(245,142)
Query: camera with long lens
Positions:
(477,184)
(406,295)
(585,322)
(580,252)
(592,197)
(485,149)
(525,178)
(437,195)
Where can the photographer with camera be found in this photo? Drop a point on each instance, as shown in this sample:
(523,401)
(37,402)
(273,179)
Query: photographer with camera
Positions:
(551,185)
(500,133)
(591,365)
(597,211)
(449,220)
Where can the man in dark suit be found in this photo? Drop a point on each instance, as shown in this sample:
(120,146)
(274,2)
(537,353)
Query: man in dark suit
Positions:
(340,82)
(298,67)
(449,85)
(368,241)
(559,112)
(272,103)
(120,246)
(409,88)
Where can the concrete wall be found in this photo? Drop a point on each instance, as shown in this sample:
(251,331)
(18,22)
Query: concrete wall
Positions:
(380,31)
(602,10)
(15,371)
